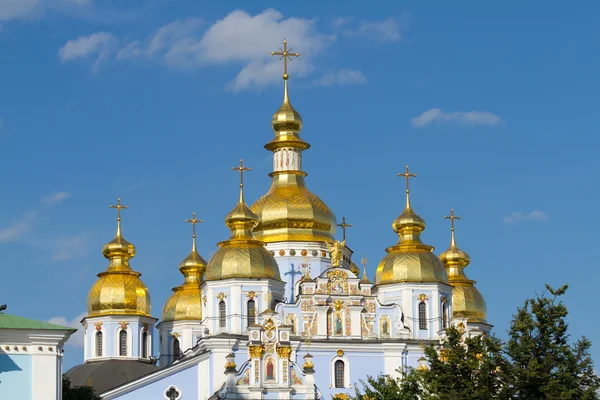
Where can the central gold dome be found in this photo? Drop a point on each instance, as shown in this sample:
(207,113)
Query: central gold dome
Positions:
(119,289)
(291,212)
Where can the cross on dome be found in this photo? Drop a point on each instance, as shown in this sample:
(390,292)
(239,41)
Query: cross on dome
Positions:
(119,207)
(241,169)
(407,175)
(452,218)
(285,55)
(344,225)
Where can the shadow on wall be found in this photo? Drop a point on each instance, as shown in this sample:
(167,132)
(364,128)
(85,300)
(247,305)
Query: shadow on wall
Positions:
(7,364)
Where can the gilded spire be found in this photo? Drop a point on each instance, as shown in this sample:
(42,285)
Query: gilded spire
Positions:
(241,220)
(119,207)
(286,121)
(119,289)
(242,255)
(467,301)
(186,301)
(193,221)
(409,225)
(410,260)
(364,278)
(407,175)
(119,251)
(454,258)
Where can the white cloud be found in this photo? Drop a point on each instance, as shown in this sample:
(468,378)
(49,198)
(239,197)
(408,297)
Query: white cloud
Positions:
(535,215)
(70,247)
(240,39)
(18,227)
(15,9)
(471,118)
(53,199)
(76,339)
(21,9)
(100,44)
(341,77)
(387,30)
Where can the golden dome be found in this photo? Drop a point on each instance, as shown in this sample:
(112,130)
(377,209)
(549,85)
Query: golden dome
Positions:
(119,289)
(354,269)
(186,301)
(242,255)
(286,123)
(410,260)
(467,301)
(291,212)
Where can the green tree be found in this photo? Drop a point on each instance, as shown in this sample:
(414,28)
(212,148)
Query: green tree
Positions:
(77,392)
(544,364)
(385,387)
(463,368)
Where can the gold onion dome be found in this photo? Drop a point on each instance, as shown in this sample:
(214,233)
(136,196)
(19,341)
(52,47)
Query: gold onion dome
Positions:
(289,211)
(242,255)
(467,301)
(410,260)
(119,290)
(186,301)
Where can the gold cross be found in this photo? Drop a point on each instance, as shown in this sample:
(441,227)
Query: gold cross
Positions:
(451,217)
(241,169)
(364,261)
(119,207)
(193,221)
(407,175)
(285,54)
(344,225)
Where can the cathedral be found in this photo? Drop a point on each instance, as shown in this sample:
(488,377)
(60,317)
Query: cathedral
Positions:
(281,310)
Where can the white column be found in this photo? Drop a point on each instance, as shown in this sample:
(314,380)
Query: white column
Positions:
(287,159)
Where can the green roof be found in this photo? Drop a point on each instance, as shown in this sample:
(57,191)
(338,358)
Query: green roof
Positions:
(8,321)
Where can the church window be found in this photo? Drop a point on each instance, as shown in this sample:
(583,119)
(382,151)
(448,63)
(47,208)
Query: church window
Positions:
(176,349)
(444,315)
(339,373)
(251,312)
(222,314)
(172,393)
(422,316)
(270,374)
(123,343)
(145,345)
(99,344)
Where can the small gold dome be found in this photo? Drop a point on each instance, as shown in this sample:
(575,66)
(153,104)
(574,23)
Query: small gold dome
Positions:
(354,269)
(467,301)
(119,289)
(186,301)
(286,123)
(410,260)
(242,255)
(291,212)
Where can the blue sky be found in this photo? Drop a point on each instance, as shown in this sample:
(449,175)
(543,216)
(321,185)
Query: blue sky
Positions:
(492,105)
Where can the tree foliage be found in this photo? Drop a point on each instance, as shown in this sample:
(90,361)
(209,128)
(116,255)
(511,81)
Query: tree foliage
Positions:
(544,364)
(537,362)
(77,392)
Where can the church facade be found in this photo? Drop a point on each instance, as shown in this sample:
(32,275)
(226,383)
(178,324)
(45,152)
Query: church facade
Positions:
(280,311)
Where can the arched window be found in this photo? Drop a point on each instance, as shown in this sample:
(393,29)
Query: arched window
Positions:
(222,314)
(123,343)
(338,368)
(145,345)
(176,349)
(444,315)
(422,316)
(98,344)
(251,312)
